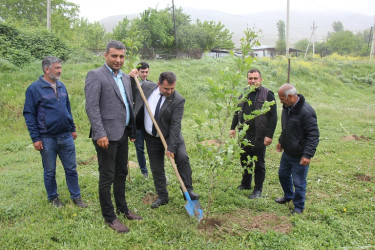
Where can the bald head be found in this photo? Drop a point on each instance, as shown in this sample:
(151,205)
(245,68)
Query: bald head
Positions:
(288,94)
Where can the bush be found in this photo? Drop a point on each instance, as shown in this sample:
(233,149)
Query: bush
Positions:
(20,47)
(6,66)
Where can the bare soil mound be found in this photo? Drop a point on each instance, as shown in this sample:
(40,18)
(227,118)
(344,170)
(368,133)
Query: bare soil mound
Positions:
(244,220)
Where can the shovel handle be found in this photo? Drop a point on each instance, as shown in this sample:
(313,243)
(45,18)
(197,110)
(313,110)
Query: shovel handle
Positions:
(161,135)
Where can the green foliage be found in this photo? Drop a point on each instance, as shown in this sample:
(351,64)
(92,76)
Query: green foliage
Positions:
(301,44)
(337,26)
(32,13)
(20,47)
(343,42)
(281,30)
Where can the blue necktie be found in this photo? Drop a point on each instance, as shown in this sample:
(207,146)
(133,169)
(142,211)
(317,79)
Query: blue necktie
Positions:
(156,115)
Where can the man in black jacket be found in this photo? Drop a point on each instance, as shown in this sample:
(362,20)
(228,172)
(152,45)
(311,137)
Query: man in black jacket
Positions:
(259,133)
(299,139)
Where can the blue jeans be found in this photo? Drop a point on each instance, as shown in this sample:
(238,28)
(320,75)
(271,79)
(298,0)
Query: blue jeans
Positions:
(63,147)
(292,173)
(140,149)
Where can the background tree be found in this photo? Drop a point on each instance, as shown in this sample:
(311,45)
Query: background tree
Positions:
(337,26)
(281,43)
(343,42)
(32,13)
(301,44)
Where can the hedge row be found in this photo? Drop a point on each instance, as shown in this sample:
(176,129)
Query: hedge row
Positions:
(20,47)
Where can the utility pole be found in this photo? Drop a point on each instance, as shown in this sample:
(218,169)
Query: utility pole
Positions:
(48,14)
(373,43)
(174,23)
(312,37)
(287,29)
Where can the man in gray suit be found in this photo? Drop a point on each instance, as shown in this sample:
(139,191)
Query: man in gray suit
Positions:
(109,109)
(168,107)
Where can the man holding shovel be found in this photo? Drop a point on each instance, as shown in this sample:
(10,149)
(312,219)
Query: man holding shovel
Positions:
(167,106)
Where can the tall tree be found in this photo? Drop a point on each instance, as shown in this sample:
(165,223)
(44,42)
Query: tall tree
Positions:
(34,12)
(343,42)
(337,26)
(281,43)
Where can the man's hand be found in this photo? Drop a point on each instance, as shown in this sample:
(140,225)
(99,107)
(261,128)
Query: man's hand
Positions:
(133,73)
(170,154)
(279,148)
(232,133)
(304,161)
(267,141)
(103,142)
(74,135)
(38,145)
(132,140)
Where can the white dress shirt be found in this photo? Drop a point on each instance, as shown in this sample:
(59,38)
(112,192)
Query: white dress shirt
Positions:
(152,102)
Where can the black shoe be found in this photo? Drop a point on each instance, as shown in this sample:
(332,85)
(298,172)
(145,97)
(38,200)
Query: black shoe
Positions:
(193,196)
(296,211)
(242,187)
(255,194)
(282,200)
(56,202)
(159,202)
(145,175)
(78,201)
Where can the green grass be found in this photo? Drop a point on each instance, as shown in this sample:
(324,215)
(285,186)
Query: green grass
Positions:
(340,210)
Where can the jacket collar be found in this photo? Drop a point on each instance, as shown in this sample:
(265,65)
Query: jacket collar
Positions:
(46,84)
(297,107)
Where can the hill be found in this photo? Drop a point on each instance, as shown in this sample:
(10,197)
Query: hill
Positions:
(300,23)
(340,208)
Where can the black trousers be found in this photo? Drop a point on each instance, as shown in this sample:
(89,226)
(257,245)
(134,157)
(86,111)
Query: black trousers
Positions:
(113,169)
(257,149)
(156,152)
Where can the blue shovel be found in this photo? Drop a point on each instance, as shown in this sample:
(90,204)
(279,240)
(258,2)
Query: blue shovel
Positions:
(192,206)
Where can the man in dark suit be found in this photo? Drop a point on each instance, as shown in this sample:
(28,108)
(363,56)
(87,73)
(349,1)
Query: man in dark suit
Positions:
(168,107)
(109,109)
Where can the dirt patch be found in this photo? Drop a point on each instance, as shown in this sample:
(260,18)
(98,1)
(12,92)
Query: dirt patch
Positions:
(91,159)
(355,138)
(210,143)
(133,164)
(149,198)
(363,177)
(244,220)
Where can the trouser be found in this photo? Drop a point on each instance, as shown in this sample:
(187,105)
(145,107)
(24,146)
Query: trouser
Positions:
(140,149)
(257,149)
(62,146)
(156,152)
(113,170)
(293,174)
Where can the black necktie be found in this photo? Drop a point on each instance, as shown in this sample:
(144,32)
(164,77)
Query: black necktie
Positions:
(156,115)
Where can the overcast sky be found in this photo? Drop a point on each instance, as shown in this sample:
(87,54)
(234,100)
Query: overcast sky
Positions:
(96,10)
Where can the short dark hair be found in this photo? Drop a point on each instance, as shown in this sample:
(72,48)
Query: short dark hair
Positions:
(254,71)
(49,60)
(169,76)
(114,45)
(143,65)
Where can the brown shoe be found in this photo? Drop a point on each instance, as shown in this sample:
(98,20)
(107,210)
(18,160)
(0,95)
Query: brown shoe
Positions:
(117,226)
(131,216)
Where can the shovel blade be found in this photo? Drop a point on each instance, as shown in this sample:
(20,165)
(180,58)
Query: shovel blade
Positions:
(193,207)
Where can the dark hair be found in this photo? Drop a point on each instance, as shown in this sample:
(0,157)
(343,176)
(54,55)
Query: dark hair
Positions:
(169,76)
(114,45)
(48,61)
(143,65)
(254,71)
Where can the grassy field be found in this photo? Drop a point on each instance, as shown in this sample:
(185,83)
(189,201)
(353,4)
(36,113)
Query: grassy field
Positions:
(340,207)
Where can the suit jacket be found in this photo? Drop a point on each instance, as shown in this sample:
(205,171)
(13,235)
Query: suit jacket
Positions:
(105,107)
(170,115)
